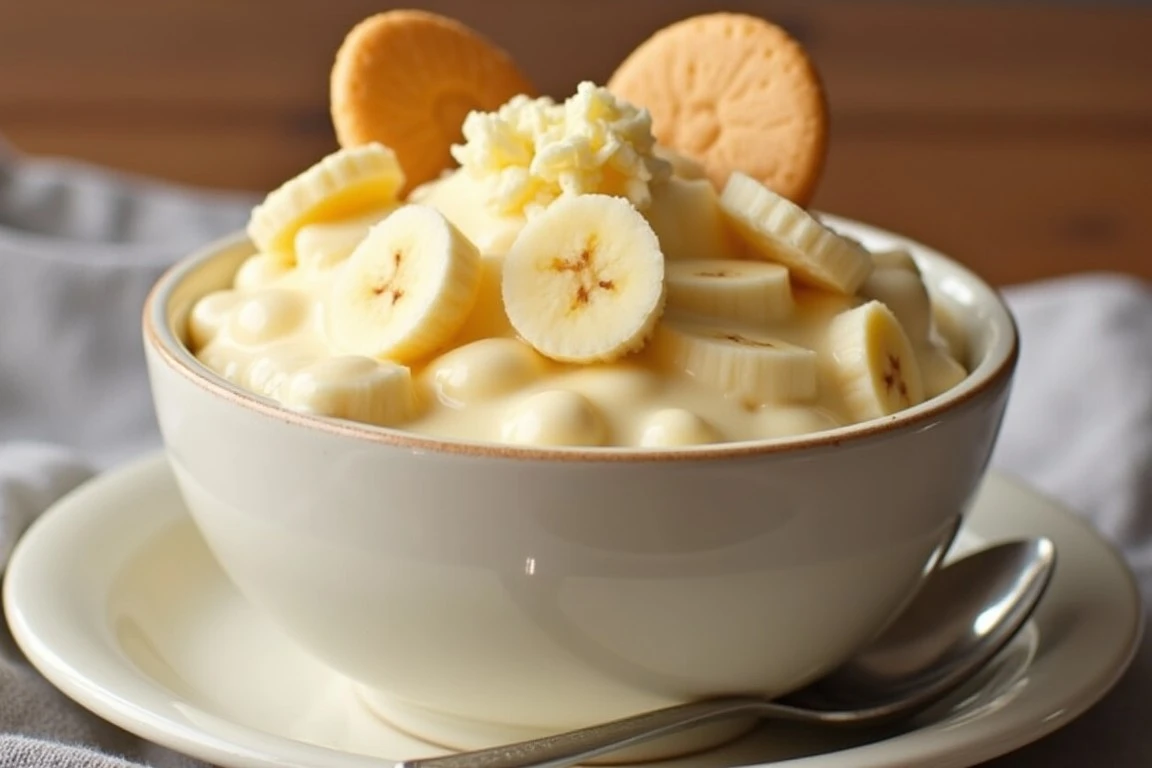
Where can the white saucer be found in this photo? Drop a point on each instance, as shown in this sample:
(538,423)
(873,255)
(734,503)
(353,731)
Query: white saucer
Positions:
(114,597)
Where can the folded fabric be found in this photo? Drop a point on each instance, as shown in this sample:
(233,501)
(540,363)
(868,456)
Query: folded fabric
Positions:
(80,247)
(1079,426)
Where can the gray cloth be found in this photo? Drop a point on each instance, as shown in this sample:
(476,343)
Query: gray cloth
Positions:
(80,247)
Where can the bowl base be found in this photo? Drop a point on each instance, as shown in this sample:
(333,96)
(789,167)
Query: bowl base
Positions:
(459,733)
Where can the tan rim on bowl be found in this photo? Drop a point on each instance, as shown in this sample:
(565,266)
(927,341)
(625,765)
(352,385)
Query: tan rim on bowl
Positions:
(996,365)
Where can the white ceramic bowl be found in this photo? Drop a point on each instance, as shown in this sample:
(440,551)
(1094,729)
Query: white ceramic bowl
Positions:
(480,593)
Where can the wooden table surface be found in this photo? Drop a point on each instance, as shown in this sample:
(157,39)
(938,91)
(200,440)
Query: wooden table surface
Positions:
(1016,137)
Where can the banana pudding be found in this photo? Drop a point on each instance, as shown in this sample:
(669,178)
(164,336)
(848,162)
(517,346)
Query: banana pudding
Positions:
(570,284)
(493,277)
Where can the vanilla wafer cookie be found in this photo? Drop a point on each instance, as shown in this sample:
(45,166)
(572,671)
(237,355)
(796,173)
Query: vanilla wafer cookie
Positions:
(735,93)
(408,78)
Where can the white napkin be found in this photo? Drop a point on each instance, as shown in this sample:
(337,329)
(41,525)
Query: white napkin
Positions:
(79,248)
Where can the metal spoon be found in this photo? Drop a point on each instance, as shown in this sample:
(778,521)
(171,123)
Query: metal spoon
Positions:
(965,613)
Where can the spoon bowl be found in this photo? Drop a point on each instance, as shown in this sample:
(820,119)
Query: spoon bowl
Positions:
(965,614)
(962,617)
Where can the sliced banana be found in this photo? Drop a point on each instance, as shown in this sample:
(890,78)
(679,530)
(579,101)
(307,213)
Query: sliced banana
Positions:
(226,360)
(874,362)
(686,217)
(323,245)
(904,293)
(268,315)
(259,271)
(354,388)
(346,183)
(483,370)
(406,289)
(895,258)
(671,427)
(779,230)
(209,316)
(752,366)
(948,329)
(753,292)
(554,417)
(584,281)
(939,370)
(271,369)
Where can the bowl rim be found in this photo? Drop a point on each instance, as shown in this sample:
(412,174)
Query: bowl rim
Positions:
(996,368)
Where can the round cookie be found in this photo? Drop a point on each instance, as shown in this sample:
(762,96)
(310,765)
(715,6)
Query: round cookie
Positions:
(735,93)
(408,78)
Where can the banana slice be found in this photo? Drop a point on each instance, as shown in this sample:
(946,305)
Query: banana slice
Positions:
(584,280)
(346,183)
(754,292)
(353,388)
(406,289)
(554,417)
(209,316)
(779,230)
(483,370)
(268,315)
(259,271)
(948,331)
(686,217)
(939,370)
(752,366)
(895,258)
(226,360)
(671,427)
(323,245)
(874,362)
(904,293)
(271,369)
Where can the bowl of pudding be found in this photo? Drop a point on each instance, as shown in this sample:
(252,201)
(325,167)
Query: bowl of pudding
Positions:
(517,460)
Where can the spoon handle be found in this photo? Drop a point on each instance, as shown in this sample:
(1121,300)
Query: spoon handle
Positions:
(569,748)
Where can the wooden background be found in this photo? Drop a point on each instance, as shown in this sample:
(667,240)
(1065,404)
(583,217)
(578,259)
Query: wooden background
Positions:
(1016,137)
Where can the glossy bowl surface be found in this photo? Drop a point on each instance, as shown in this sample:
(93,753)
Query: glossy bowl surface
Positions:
(482,593)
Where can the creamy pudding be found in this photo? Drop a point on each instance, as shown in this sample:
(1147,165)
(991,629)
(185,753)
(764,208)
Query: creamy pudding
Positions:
(571,283)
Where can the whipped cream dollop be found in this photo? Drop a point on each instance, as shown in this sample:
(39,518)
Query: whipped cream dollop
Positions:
(530,152)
